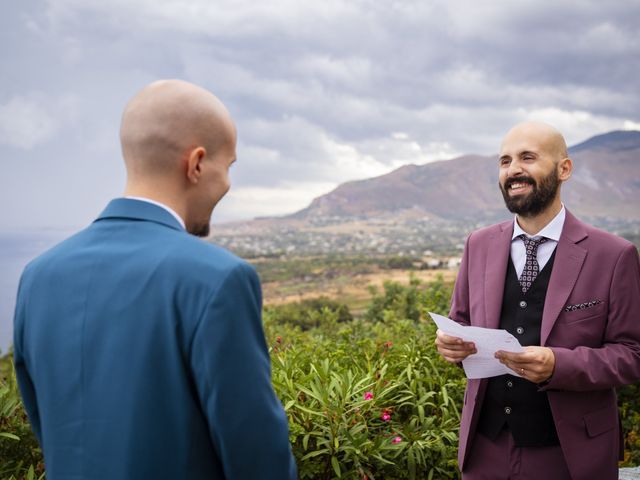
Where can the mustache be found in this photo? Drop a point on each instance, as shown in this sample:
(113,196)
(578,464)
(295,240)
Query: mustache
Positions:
(510,181)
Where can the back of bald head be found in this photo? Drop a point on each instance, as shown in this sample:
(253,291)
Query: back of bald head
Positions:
(544,135)
(167,119)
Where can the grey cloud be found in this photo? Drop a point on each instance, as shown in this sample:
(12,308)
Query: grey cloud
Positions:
(24,123)
(318,89)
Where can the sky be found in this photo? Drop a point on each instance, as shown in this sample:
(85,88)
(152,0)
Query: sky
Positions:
(322,92)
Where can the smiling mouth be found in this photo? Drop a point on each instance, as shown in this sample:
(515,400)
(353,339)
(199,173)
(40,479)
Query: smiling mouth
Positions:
(518,187)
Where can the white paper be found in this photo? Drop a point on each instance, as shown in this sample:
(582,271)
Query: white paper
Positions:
(487,340)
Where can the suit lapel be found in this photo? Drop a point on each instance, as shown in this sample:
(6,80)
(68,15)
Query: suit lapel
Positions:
(566,268)
(497,258)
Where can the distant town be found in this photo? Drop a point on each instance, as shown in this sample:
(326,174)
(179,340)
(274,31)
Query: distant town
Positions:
(431,243)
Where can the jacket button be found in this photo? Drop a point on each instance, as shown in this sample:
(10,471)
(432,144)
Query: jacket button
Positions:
(520,330)
(509,383)
(523,304)
(507,410)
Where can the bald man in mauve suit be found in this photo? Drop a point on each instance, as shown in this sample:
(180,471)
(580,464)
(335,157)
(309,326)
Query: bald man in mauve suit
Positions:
(139,348)
(571,294)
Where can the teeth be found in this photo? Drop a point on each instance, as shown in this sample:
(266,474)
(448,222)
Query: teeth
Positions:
(517,185)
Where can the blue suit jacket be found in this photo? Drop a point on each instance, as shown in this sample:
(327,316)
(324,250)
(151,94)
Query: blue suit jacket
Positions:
(140,354)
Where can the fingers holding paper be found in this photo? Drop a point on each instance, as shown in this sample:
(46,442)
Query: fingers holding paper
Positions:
(453,349)
(536,364)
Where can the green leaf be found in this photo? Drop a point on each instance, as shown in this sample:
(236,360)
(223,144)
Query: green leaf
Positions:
(315,453)
(308,410)
(336,466)
(445,395)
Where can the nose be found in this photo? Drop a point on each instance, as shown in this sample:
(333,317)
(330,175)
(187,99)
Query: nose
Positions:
(515,168)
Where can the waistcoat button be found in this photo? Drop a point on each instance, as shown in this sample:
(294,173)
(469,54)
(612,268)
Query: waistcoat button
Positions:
(507,410)
(509,383)
(523,304)
(520,330)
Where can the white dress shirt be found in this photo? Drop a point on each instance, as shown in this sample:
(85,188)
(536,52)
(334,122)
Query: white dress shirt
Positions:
(161,205)
(551,231)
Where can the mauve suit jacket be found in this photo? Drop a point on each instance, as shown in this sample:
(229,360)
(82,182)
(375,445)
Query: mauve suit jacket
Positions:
(140,355)
(597,348)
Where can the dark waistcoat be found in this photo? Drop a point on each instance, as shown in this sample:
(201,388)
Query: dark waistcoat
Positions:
(513,401)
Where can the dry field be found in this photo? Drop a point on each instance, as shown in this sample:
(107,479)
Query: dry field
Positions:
(352,289)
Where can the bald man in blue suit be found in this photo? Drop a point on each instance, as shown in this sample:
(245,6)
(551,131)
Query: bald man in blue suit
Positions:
(139,348)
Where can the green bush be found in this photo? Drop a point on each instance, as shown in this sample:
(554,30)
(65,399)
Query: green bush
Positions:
(629,403)
(20,455)
(308,313)
(412,301)
(366,398)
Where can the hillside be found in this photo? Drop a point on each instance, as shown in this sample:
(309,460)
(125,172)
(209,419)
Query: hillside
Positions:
(431,208)
(605,183)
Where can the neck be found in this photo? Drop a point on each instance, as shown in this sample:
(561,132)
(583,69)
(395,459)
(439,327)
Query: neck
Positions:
(159,193)
(533,224)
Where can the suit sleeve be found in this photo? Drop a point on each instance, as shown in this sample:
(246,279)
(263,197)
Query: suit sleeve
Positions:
(460,310)
(27,390)
(231,367)
(617,361)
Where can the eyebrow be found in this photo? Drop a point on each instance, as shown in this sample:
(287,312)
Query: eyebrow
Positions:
(520,154)
(528,152)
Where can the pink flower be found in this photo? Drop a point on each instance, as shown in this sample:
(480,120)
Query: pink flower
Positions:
(368,395)
(396,440)
(386,416)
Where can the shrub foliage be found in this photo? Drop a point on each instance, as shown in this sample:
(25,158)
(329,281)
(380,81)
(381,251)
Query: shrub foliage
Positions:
(20,455)
(366,398)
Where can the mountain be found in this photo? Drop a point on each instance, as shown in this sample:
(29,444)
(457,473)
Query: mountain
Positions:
(431,208)
(605,184)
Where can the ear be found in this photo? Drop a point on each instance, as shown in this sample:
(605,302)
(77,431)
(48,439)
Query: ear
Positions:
(194,159)
(565,167)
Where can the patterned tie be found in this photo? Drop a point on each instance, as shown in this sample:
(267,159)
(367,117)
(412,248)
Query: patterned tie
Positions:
(531,267)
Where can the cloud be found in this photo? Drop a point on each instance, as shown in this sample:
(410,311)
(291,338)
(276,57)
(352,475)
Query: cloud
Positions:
(25,123)
(629,125)
(250,202)
(576,125)
(321,92)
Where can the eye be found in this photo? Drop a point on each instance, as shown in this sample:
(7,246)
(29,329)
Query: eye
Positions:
(504,162)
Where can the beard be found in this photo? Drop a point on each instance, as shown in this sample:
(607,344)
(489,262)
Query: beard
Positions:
(541,197)
(200,230)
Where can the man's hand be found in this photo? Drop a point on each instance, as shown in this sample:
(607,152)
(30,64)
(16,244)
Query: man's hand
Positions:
(536,364)
(453,349)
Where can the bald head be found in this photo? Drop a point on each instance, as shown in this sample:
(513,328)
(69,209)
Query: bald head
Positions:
(543,136)
(533,164)
(167,119)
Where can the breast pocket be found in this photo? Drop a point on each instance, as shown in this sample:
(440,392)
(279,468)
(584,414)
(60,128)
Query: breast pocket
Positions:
(579,328)
(583,315)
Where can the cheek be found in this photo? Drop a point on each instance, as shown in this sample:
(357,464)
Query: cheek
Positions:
(225,182)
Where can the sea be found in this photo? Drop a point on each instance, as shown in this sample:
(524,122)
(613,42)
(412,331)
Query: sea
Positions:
(17,248)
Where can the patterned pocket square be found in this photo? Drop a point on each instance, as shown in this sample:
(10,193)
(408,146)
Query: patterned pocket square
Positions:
(582,306)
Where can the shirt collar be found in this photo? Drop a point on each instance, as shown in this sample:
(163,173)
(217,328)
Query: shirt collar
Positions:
(551,230)
(161,205)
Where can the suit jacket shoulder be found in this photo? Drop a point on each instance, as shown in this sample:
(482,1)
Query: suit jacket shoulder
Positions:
(488,233)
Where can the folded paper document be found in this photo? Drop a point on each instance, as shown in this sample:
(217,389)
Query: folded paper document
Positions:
(487,340)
